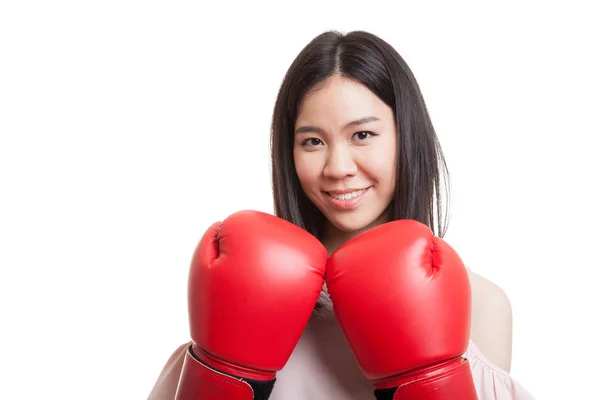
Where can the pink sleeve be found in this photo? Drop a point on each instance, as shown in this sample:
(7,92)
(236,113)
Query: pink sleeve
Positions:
(166,384)
(492,382)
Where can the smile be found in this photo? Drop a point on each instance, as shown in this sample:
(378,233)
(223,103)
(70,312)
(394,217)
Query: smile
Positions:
(347,196)
(346,199)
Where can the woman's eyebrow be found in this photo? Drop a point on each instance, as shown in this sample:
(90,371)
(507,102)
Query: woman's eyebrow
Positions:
(364,120)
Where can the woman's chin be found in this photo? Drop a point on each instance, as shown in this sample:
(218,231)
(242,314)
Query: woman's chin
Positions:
(351,224)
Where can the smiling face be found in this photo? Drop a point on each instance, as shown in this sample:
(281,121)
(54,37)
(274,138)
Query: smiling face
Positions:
(345,154)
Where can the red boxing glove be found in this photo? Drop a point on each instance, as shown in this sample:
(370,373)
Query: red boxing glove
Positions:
(253,284)
(403,299)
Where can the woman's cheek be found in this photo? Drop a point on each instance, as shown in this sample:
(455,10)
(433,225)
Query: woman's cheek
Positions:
(308,160)
(307,169)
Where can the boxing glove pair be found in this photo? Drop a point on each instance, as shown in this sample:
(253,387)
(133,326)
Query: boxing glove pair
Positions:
(401,296)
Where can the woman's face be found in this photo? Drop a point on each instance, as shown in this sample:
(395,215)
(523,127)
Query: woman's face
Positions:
(345,154)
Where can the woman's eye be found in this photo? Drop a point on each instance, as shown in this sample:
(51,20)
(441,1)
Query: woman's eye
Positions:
(363,135)
(312,142)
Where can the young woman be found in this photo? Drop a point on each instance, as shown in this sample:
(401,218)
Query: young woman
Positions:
(353,149)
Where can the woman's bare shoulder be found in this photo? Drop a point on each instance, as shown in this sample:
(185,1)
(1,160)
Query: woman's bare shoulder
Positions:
(491,321)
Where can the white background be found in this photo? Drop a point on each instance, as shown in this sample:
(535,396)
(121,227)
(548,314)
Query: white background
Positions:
(127,127)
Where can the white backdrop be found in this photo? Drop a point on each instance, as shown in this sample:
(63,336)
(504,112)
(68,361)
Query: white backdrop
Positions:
(127,127)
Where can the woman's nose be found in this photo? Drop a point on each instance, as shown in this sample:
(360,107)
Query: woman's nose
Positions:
(340,163)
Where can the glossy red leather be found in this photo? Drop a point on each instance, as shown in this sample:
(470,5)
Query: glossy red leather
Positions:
(402,297)
(253,284)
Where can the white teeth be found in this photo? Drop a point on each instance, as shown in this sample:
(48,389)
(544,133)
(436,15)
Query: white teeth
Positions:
(348,196)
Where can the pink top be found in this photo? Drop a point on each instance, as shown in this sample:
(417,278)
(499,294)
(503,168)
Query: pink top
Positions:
(322,367)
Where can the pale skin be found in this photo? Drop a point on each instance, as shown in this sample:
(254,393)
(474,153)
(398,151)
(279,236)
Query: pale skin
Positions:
(345,140)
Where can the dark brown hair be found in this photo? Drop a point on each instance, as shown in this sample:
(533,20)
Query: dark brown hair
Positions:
(369,60)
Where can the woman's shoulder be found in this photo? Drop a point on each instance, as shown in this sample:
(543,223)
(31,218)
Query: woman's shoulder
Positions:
(488,293)
(491,321)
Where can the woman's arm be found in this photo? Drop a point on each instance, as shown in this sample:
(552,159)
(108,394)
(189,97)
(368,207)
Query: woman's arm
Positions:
(491,321)
(166,384)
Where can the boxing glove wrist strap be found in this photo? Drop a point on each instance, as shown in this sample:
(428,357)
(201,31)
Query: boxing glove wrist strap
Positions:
(200,381)
(449,380)
(231,369)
